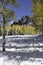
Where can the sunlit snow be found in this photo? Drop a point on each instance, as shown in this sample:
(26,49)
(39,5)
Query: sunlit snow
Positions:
(22,50)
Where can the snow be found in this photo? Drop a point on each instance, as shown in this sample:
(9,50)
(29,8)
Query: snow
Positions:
(22,50)
(20,36)
(32,61)
(36,61)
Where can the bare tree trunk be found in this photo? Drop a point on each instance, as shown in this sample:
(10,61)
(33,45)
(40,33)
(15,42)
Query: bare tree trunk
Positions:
(3,47)
(42,27)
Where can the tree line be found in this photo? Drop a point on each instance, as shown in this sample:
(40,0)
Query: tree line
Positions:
(25,26)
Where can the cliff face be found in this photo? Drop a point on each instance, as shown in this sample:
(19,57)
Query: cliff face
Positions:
(24,21)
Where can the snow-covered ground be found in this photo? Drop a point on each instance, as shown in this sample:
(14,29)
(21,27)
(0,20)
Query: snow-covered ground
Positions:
(22,50)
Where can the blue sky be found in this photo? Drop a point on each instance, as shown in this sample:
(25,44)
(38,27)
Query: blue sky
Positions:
(25,8)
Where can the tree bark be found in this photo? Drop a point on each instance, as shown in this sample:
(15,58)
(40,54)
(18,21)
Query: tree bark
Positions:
(3,47)
(42,27)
